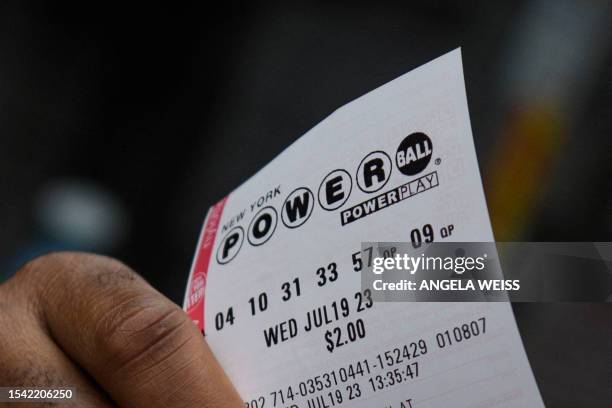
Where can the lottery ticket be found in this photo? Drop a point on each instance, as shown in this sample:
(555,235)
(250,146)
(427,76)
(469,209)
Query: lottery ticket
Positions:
(275,283)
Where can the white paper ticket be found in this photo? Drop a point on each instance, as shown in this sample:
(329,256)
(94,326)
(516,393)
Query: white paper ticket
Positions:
(275,283)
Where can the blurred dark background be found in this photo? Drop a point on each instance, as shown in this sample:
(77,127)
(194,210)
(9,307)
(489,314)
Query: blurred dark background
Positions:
(120,125)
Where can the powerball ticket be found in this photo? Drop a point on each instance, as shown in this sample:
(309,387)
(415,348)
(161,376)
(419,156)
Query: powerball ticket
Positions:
(275,283)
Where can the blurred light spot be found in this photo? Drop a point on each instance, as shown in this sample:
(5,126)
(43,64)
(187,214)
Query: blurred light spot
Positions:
(80,213)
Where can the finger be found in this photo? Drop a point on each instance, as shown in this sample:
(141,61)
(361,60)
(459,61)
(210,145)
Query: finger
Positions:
(140,347)
(30,358)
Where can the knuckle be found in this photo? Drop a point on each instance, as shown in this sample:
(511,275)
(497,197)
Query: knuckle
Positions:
(58,281)
(22,290)
(71,270)
(141,332)
(29,271)
(48,266)
(113,273)
(50,260)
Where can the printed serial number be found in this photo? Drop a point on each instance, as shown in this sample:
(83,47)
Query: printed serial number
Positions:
(37,394)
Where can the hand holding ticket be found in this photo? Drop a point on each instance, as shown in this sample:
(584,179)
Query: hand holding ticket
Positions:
(275,284)
(85,330)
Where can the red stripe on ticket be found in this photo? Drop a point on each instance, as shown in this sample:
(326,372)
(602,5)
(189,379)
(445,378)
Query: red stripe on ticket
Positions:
(195,306)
